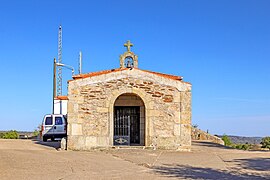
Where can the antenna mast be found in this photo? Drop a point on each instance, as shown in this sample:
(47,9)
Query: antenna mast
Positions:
(59,80)
(80,62)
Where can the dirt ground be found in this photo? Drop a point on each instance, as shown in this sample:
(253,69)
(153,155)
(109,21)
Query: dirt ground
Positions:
(28,159)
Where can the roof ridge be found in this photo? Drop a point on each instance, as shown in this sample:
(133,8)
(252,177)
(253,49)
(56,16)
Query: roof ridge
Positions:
(97,73)
(163,74)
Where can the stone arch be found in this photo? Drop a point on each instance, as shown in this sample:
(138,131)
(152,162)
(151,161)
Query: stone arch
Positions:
(129,62)
(128,54)
(111,102)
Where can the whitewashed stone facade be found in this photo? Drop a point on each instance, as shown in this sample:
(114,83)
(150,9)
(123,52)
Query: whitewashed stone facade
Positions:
(164,102)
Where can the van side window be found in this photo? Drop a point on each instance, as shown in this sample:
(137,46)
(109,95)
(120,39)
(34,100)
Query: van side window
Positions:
(48,121)
(58,121)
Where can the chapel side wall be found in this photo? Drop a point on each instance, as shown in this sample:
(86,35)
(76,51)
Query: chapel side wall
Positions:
(90,112)
(185,117)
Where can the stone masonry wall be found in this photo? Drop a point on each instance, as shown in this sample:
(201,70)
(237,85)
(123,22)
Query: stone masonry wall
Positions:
(90,110)
(197,134)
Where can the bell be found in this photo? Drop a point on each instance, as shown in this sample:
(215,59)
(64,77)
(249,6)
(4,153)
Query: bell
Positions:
(128,64)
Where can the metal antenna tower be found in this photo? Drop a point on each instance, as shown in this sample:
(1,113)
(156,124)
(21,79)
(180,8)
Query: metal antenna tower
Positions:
(80,62)
(59,79)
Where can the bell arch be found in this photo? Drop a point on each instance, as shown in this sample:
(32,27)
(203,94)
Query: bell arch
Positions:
(132,58)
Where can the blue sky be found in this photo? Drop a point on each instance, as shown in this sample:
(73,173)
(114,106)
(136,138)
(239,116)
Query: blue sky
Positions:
(221,47)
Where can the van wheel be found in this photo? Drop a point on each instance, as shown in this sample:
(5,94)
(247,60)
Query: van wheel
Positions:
(44,139)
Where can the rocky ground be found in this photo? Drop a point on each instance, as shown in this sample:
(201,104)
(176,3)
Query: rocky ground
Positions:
(29,159)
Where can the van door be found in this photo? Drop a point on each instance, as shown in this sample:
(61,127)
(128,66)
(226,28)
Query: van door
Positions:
(48,125)
(59,125)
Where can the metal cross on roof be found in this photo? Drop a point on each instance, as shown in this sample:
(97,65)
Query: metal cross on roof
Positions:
(128,44)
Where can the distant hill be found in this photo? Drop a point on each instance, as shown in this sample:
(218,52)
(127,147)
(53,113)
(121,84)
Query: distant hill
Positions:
(244,140)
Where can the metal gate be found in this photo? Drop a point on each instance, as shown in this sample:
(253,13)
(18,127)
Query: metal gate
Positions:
(126,125)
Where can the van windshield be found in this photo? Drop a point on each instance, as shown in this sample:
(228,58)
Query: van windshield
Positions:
(48,121)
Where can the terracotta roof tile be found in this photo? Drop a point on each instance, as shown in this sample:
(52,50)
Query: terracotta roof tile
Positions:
(61,98)
(81,76)
(179,78)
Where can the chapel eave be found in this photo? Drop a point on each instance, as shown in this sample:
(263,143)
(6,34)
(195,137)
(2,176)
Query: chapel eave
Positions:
(98,73)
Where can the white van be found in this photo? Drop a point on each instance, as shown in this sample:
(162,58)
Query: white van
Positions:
(54,126)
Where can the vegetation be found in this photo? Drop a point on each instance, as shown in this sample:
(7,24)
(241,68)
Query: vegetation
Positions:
(227,140)
(36,133)
(266,142)
(241,146)
(10,135)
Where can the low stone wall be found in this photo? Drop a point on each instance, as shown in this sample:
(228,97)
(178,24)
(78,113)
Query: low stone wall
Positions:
(197,134)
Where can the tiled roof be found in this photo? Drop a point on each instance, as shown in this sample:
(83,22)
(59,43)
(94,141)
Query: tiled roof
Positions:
(179,78)
(61,98)
(81,76)
(92,74)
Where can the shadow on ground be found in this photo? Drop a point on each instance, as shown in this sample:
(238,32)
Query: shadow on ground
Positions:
(184,171)
(53,144)
(258,164)
(210,144)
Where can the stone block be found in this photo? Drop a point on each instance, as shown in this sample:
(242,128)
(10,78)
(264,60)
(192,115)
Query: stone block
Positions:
(185,121)
(185,117)
(76,129)
(90,141)
(176,97)
(166,143)
(76,143)
(185,135)
(79,99)
(177,129)
(80,120)
(74,91)
(70,107)
(102,110)
(102,141)
(151,104)
(63,144)
(177,116)
(154,113)
(168,98)
(164,132)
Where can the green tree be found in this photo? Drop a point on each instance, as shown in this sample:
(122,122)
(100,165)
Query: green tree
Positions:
(227,140)
(242,146)
(11,135)
(36,133)
(266,142)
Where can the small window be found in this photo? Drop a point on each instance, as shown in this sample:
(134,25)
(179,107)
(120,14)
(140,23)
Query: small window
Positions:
(48,121)
(58,121)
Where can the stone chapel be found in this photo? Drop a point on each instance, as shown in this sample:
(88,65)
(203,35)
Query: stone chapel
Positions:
(128,106)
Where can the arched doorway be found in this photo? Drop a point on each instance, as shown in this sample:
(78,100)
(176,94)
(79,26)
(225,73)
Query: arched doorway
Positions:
(129,120)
